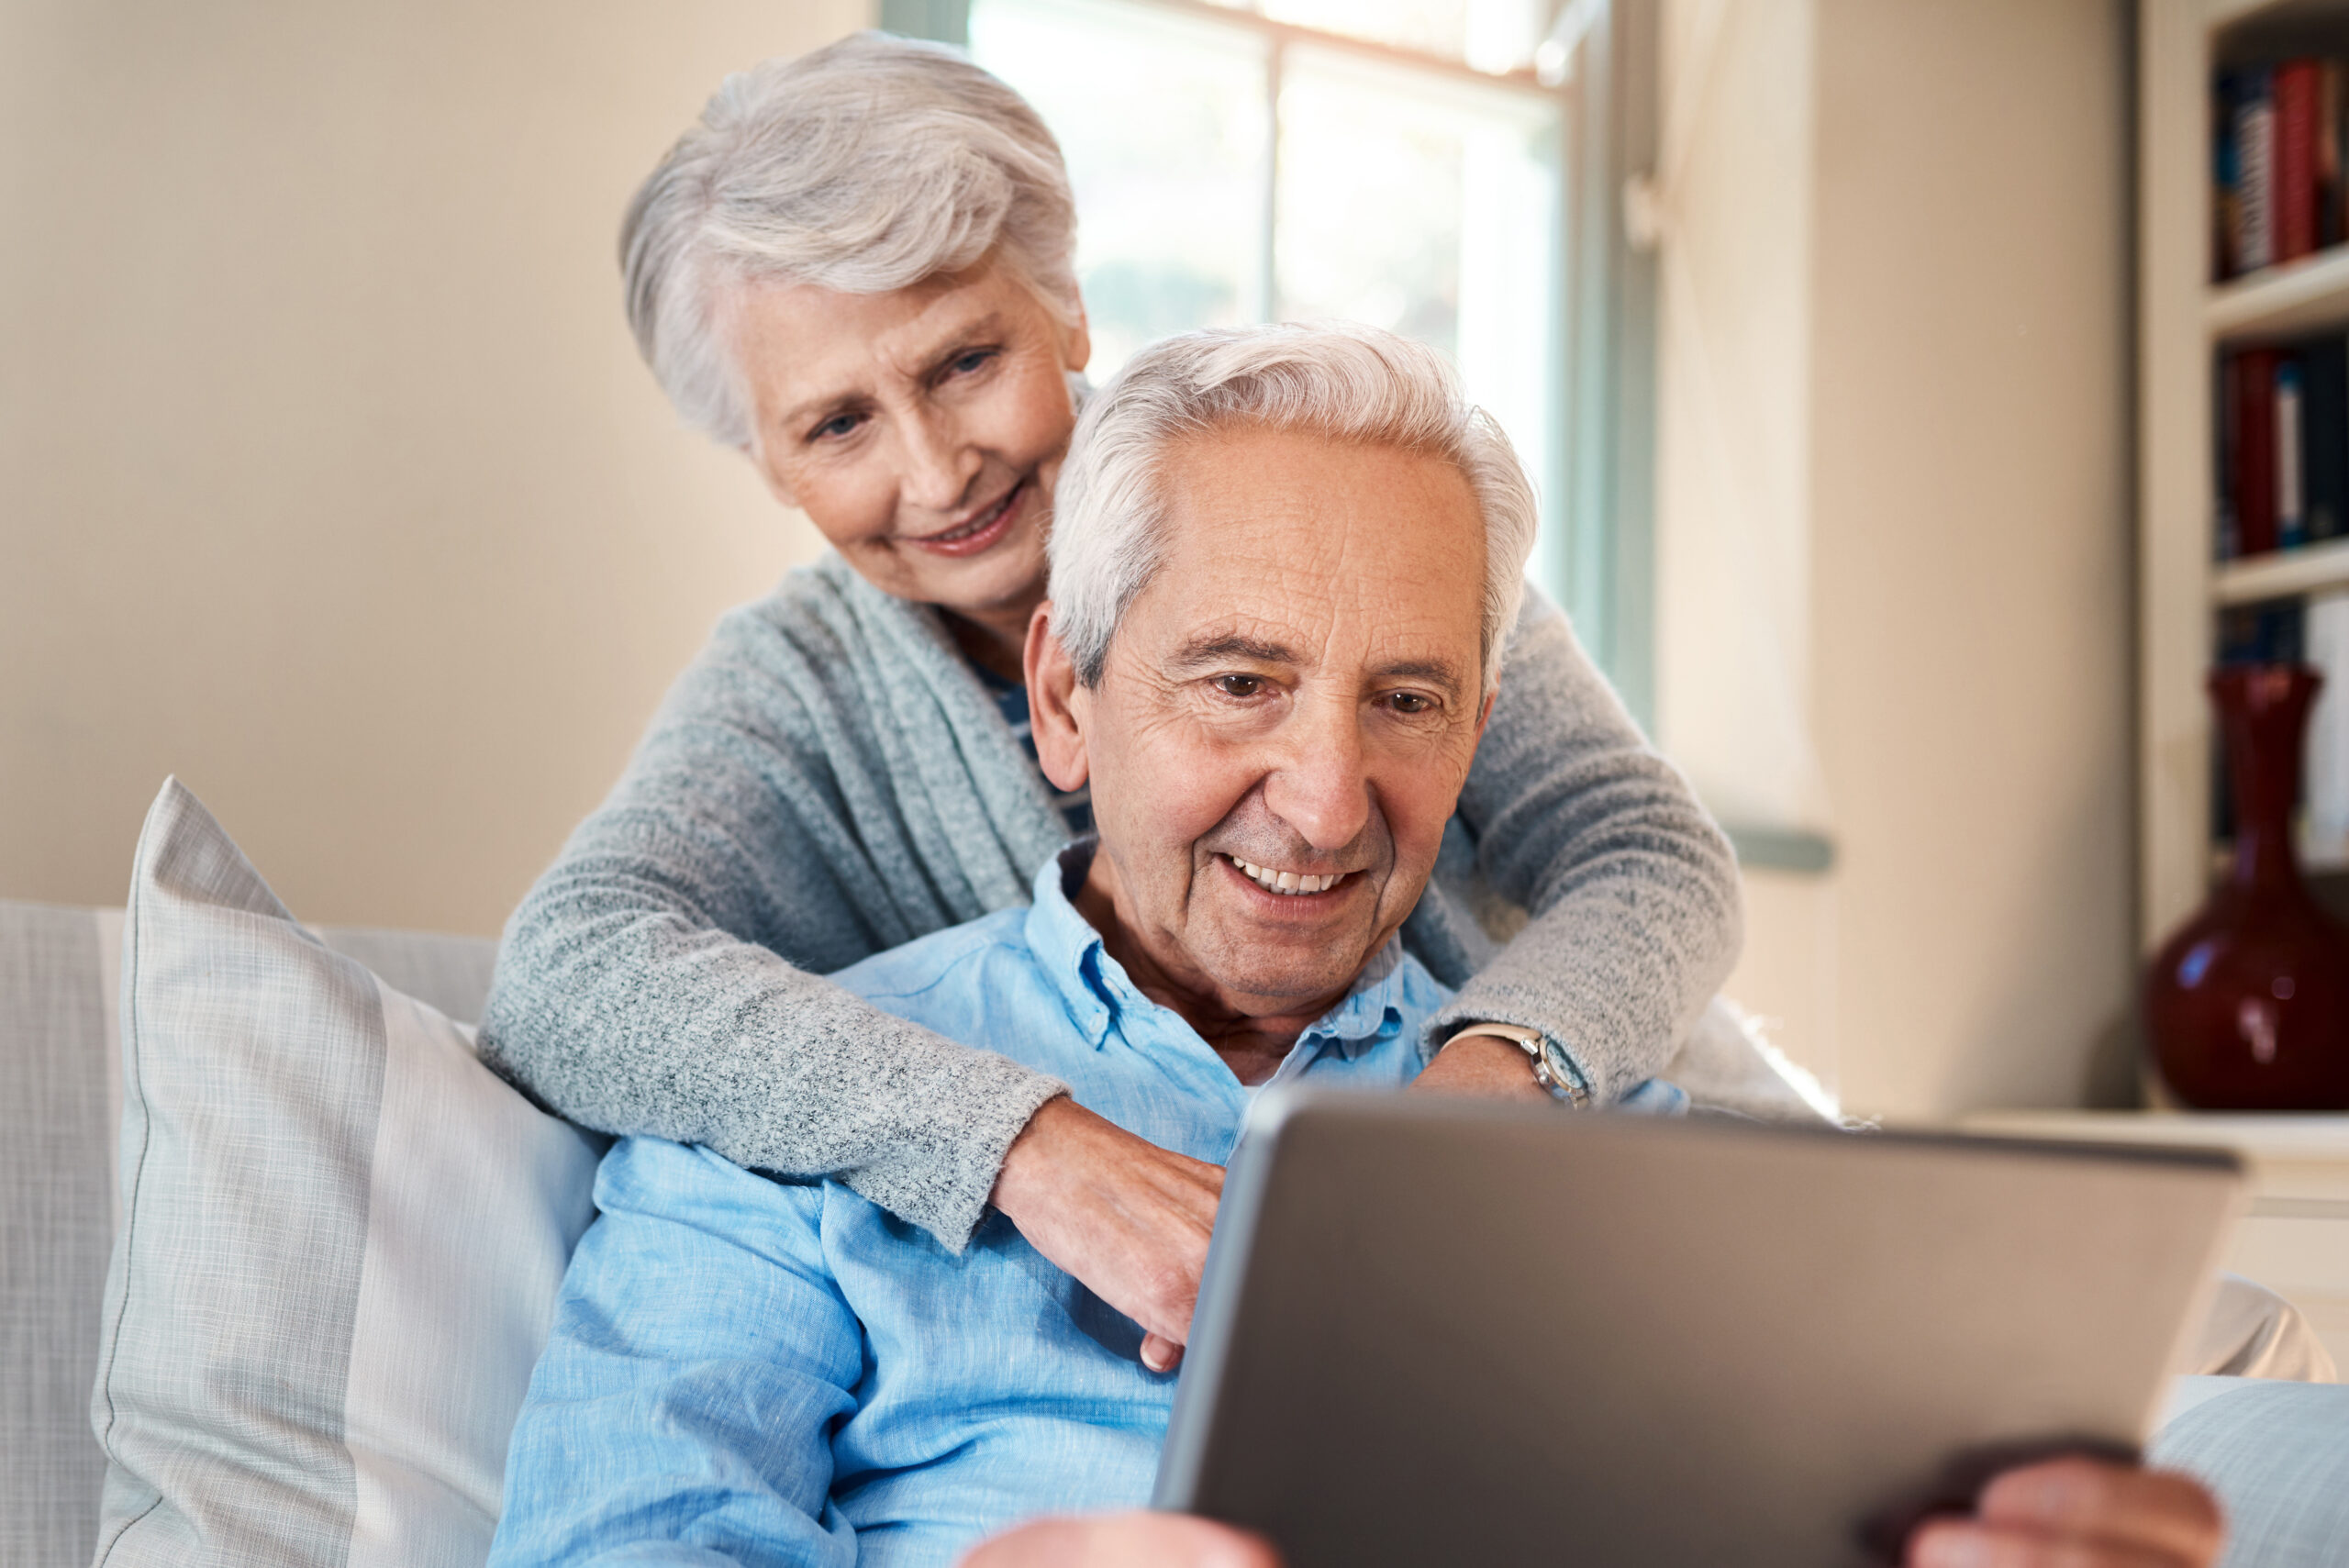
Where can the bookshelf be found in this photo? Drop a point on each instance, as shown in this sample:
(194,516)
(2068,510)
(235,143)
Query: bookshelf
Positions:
(2298,296)
(2183,319)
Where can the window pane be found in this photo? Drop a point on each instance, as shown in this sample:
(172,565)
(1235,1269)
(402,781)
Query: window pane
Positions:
(1491,35)
(1428,207)
(1163,122)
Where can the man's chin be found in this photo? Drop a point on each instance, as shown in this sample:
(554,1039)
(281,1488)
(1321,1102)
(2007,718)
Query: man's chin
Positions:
(1270,978)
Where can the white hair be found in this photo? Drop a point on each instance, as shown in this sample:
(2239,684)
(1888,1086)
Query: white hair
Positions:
(1349,383)
(865,166)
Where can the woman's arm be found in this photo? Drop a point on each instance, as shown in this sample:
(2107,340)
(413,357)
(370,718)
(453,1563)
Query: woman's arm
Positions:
(1632,889)
(661,976)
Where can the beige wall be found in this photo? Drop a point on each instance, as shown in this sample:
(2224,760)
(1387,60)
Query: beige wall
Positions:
(1969,562)
(329,479)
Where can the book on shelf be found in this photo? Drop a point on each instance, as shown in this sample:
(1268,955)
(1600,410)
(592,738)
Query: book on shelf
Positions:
(2283,446)
(2276,163)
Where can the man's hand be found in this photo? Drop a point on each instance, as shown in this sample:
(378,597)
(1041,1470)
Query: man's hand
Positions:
(1123,1540)
(2078,1512)
(1128,1218)
(1482,1064)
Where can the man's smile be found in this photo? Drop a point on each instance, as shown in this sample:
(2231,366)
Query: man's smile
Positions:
(1287,883)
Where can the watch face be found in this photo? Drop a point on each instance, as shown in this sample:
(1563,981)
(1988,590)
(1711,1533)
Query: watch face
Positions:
(1561,1071)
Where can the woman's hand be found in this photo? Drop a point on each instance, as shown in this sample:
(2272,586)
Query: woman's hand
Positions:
(1129,1219)
(1123,1540)
(2078,1512)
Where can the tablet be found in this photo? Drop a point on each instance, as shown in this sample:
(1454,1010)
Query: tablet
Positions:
(1441,1331)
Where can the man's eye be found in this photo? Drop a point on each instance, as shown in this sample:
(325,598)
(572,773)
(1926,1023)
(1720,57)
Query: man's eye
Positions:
(1411,703)
(1239,686)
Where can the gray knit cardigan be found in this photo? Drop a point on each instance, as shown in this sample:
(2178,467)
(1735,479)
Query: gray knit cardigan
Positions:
(829,779)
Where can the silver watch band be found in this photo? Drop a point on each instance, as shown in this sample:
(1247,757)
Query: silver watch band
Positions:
(1552,1070)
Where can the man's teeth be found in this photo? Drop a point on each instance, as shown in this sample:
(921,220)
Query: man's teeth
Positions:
(1284,881)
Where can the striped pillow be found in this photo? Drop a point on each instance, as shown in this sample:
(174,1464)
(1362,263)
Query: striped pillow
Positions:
(341,1239)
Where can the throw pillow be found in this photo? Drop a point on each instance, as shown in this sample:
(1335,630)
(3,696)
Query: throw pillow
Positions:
(340,1242)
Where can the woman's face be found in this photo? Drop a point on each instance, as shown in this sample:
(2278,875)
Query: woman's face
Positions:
(920,430)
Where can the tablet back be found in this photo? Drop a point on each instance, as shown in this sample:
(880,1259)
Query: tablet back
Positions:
(1446,1331)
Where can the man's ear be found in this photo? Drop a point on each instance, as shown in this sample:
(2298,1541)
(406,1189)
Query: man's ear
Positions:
(1053,719)
(1485,714)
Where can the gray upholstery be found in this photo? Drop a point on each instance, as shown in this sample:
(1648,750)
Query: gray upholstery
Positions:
(58,1126)
(55,1231)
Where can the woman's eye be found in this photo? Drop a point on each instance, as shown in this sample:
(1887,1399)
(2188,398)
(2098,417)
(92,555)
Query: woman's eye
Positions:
(835,426)
(1239,686)
(964,364)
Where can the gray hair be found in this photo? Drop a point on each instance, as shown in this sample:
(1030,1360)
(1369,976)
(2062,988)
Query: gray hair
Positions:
(865,166)
(1350,383)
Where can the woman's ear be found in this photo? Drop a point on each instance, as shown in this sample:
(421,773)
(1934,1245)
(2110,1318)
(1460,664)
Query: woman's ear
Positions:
(1054,721)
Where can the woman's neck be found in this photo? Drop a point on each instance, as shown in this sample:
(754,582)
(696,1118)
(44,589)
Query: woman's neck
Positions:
(994,640)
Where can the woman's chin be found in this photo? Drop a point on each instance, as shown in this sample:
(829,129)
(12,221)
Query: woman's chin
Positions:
(1007,576)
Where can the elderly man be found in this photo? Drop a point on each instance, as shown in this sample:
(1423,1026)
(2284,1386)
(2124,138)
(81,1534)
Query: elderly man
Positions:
(1285,562)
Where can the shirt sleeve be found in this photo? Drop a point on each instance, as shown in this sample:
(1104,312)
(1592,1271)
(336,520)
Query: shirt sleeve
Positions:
(1633,890)
(661,977)
(699,1359)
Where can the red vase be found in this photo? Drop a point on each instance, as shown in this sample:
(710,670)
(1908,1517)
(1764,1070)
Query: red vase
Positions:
(2247,1006)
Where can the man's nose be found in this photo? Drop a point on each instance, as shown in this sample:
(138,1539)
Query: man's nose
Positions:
(1318,785)
(939,464)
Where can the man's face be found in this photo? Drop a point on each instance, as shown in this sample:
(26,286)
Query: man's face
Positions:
(1293,700)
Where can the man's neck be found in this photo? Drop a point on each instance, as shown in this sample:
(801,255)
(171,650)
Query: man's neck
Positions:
(1252,1043)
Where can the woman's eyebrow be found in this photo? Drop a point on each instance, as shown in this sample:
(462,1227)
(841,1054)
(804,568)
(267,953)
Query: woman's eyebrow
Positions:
(966,337)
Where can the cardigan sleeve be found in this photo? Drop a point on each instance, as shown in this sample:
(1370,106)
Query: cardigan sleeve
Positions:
(1632,889)
(665,974)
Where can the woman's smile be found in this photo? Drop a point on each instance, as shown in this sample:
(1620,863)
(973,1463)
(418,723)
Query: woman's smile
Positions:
(983,531)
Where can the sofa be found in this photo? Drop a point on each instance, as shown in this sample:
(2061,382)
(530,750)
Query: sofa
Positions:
(2278,1452)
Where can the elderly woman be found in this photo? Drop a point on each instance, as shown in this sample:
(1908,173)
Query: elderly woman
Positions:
(856,270)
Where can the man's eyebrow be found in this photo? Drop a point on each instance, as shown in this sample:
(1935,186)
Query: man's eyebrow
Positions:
(1438,671)
(1233,645)
(1214,649)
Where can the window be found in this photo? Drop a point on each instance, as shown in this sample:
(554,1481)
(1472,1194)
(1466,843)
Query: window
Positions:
(1392,161)
(1451,169)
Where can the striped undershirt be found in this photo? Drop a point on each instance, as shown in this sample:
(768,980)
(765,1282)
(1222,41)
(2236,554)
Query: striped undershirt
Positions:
(1011,701)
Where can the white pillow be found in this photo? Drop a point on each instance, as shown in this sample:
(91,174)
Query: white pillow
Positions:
(342,1241)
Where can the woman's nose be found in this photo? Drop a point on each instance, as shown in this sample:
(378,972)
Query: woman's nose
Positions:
(939,466)
(1320,786)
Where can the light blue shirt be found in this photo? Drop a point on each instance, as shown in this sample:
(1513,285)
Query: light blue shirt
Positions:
(751,1369)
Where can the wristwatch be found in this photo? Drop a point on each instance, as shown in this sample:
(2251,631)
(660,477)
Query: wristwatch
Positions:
(1552,1067)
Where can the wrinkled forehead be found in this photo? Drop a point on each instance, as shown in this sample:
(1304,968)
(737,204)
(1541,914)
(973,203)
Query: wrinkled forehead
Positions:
(1342,550)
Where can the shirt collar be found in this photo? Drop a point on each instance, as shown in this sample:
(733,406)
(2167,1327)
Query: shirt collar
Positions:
(1095,989)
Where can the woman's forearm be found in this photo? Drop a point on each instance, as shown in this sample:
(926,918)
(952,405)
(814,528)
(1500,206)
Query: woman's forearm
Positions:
(1632,889)
(629,1017)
